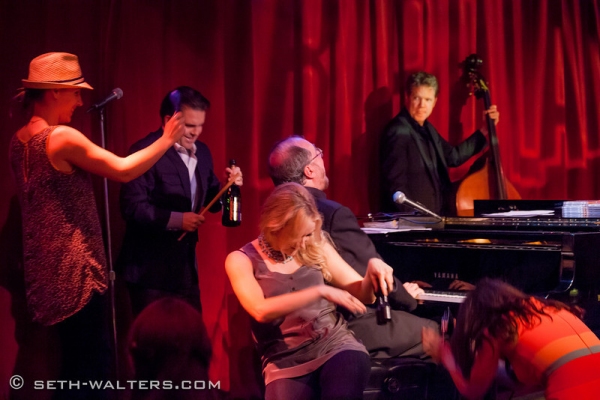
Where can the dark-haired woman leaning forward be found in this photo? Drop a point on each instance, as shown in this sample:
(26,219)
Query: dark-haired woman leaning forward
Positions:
(544,341)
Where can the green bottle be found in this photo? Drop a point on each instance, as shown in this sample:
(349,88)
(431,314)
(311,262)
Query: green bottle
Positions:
(232,204)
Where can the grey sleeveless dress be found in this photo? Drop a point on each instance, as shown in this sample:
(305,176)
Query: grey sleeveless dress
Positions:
(302,341)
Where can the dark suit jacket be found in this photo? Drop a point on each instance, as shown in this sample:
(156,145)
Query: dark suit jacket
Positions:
(401,336)
(354,245)
(407,165)
(151,256)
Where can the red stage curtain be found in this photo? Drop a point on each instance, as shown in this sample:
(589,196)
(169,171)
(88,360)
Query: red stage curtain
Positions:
(330,70)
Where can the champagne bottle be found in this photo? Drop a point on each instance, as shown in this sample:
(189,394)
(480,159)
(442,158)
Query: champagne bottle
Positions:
(232,204)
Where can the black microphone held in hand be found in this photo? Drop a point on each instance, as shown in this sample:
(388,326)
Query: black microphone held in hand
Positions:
(116,94)
(400,198)
(384,311)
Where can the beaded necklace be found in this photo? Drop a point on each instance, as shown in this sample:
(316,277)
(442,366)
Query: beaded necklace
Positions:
(273,254)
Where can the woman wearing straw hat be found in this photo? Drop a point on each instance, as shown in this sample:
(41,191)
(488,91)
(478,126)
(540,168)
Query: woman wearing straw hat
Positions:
(64,261)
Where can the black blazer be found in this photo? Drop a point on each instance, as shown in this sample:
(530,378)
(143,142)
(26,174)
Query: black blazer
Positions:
(407,165)
(354,245)
(151,255)
(402,335)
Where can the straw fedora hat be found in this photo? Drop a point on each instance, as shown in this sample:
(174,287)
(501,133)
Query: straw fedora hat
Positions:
(55,71)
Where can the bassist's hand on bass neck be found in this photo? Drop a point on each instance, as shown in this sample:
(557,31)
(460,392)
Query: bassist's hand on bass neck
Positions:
(493,114)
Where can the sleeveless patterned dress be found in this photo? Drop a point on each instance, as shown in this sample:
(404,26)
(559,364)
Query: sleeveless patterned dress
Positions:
(64,259)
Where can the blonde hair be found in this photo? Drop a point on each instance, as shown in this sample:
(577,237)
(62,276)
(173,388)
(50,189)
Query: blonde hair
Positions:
(286,207)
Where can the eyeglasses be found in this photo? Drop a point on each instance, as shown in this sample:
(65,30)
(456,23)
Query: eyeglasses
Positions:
(319,153)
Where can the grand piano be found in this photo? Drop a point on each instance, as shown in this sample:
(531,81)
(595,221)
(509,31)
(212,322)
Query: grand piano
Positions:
(547,256)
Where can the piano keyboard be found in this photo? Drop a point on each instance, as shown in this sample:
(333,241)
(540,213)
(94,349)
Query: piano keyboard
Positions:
(442,296)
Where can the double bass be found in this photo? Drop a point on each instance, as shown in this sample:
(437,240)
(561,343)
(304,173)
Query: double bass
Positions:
(489,181)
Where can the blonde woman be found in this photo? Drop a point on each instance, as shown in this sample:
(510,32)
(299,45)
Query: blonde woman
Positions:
(280,278)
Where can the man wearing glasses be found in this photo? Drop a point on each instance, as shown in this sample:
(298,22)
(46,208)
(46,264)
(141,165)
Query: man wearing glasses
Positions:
(297,160)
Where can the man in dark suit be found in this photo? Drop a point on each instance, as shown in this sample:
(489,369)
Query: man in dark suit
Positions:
(297,160)
(415,157)
(162,204)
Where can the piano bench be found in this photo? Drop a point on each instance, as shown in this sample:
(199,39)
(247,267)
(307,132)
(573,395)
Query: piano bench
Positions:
(408,378)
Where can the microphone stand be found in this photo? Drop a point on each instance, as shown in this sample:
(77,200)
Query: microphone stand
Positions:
(111,272)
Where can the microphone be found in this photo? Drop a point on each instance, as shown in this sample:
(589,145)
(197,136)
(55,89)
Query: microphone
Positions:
(116,94)
(400,198)
(383,311)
